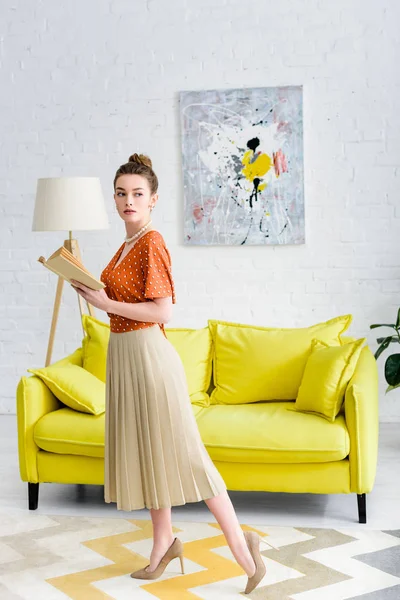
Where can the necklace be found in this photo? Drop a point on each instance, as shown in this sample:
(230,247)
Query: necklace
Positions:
(138,233)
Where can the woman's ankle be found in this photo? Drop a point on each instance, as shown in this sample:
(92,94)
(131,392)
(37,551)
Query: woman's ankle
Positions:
(163,541)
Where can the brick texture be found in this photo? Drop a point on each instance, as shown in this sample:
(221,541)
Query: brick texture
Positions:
(85,84)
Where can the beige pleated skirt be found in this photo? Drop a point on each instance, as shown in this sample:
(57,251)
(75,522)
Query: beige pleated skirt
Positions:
(154,454)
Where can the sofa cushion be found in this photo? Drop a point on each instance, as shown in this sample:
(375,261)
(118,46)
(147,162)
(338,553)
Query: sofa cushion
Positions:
(95,345)
(253,363)
(327,373)
(75,358)
(271,432)
(194,347)
(74,386)
(66,431)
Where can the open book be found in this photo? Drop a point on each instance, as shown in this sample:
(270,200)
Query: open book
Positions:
(64,263)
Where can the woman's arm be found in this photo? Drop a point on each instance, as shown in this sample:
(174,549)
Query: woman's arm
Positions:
(158,310)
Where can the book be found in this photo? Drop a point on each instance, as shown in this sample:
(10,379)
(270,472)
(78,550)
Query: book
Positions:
(66,265)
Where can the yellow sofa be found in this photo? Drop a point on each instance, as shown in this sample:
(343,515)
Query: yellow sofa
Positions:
(262,445)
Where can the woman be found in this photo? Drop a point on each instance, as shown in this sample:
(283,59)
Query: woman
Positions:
(154,455)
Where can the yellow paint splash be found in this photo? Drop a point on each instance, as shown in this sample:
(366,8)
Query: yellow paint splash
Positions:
(258,168)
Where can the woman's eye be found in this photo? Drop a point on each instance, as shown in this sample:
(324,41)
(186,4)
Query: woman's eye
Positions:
(122,193)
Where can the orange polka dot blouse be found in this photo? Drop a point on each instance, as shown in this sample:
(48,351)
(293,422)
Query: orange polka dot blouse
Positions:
(143,274)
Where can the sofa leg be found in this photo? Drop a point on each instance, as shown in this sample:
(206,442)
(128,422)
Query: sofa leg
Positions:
(33,492)
(362,508)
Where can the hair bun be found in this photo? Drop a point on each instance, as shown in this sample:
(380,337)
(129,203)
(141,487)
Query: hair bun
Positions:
(141,159)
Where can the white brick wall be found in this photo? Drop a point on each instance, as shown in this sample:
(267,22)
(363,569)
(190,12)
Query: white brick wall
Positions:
(85,84)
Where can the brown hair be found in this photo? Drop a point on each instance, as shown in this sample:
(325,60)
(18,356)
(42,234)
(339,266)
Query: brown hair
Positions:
(139,164)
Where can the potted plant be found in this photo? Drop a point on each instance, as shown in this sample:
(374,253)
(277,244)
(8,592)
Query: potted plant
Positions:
(392,364)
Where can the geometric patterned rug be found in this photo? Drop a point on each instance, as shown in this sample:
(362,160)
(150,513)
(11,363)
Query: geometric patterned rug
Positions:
(58,557)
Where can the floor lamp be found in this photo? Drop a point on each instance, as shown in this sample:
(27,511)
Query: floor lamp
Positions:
(67,204)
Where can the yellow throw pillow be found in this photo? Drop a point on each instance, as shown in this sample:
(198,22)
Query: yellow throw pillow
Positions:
(75,387)
(194,347)
(94,346)
(345,339)
(327,373)
(253,364)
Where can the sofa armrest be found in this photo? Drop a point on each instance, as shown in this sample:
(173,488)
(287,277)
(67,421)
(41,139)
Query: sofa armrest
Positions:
(362,419)
(34,399)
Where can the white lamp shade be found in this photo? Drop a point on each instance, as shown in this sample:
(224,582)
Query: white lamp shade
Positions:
(69,203)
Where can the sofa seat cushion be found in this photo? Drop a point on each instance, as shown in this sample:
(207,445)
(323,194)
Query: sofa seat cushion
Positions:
(271,432)
(266,432)
(68,431)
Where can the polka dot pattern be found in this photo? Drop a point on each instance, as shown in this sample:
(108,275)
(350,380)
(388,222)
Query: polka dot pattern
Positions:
(142,274)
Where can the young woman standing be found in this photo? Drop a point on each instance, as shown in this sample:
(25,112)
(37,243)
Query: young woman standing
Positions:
(154,455)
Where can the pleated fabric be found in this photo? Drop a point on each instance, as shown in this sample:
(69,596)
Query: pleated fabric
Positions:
(154,454)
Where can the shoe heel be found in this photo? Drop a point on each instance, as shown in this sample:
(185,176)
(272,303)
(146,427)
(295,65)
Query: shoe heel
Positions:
(263,541)
(182,566)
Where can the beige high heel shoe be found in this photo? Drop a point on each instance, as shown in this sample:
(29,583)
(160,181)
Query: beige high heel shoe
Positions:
(174,551)
(253,543)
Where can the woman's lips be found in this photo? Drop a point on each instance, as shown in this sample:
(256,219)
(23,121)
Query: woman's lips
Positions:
(128,212)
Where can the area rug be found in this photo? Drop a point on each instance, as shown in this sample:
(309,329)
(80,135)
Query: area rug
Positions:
(60,557)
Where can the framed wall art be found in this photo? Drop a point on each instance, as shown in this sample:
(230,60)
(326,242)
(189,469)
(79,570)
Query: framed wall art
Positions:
(242,160)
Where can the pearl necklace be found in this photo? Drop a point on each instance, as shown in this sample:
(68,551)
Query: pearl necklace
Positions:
(138,233)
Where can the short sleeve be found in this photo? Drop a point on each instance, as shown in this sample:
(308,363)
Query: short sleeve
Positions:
(158,282)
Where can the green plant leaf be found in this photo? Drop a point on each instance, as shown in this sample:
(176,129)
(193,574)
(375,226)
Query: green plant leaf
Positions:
(383,347)
(392,370)
(398,319)
(395,339)
(391,387)
(382,325)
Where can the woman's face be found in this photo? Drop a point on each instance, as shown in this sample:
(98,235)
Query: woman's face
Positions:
(132,192)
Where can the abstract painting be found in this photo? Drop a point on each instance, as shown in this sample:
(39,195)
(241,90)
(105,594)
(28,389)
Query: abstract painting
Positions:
(242,161)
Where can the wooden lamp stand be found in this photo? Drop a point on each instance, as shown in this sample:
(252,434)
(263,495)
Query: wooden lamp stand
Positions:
(73,246)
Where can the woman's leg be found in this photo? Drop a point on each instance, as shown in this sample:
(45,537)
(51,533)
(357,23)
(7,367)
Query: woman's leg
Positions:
(222,508)
(162,535)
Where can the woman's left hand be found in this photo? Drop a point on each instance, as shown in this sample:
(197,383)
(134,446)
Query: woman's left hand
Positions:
(97,298)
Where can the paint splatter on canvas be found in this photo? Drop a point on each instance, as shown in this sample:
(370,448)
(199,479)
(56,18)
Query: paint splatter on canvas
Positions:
(243,166)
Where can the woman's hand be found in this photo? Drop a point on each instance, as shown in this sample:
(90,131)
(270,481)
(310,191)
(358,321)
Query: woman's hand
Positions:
(97,298)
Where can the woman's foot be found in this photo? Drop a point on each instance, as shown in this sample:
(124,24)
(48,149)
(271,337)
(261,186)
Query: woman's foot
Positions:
(175,550)
(252,572)
(253,543)
(240,551)
(158,551)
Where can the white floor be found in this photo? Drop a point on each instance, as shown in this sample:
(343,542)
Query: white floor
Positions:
(301,510)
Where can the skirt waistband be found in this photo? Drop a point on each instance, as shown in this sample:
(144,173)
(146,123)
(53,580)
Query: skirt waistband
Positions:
(136,332)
